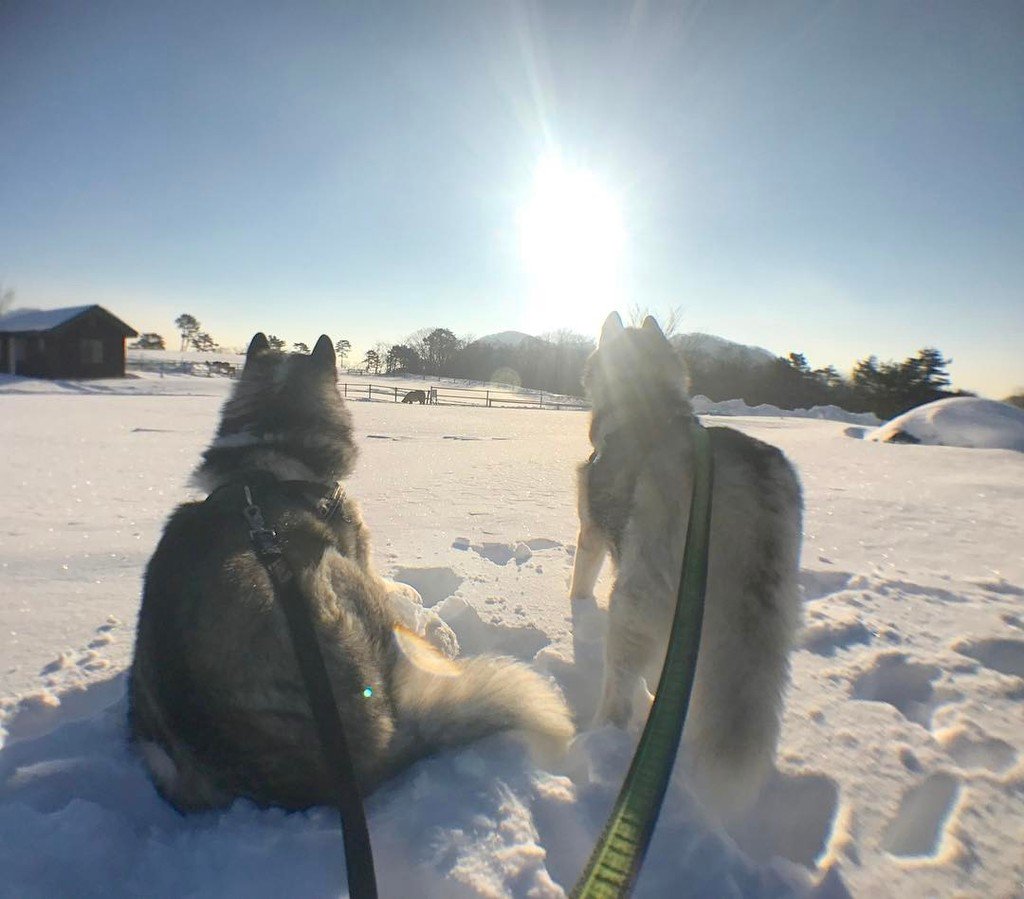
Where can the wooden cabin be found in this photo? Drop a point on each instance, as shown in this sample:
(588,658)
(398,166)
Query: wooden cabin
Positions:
(78,342)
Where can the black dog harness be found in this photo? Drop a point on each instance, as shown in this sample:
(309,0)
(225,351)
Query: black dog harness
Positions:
(362,882)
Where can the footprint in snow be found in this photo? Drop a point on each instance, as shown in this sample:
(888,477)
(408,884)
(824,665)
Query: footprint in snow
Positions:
(502,553)
(477,636)
(542,543)
(1003,655)
(793,818)
(815,583)
(906,686)
(923,817)
(973,748)
(498,553)
(824,634)
(433,584)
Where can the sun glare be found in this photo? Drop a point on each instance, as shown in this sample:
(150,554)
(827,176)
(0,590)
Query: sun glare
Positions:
(572,239)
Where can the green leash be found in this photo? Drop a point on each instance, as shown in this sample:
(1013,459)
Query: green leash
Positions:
(615,862)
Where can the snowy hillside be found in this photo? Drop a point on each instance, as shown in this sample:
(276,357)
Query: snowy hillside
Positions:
(507,338)
(697,344)
(900,767)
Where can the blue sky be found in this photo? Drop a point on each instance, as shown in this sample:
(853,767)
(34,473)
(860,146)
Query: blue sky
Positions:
(836,179)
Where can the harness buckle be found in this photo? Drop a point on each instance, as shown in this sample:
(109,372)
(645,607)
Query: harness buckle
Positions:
(264,539)
(328,506)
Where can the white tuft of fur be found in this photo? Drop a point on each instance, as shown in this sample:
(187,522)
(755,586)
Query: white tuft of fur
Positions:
(455,702)
(283,467)
(160,765)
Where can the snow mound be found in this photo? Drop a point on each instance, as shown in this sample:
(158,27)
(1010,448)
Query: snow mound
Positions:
(958,421)
(704,406)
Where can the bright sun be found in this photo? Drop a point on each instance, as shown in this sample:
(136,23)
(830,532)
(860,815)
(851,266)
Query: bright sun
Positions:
(572,239)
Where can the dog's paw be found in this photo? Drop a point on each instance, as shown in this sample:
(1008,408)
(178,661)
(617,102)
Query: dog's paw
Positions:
(440,634)
(402,593)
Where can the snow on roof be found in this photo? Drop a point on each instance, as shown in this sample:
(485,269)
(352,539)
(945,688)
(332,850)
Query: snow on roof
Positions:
(958,421)
(39,319)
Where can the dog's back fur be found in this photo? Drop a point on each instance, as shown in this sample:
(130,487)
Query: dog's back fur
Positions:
(634,499)
(217,704)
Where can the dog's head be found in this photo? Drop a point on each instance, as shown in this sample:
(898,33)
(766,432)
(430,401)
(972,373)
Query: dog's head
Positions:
(635,370)
(287,404)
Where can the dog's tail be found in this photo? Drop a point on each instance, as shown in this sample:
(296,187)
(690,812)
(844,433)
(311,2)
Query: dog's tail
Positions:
(449,703)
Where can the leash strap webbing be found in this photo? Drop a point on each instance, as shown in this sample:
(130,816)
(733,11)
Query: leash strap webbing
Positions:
(615,862)
(362,881)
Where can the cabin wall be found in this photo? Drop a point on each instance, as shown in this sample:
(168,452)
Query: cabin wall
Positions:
(84,348)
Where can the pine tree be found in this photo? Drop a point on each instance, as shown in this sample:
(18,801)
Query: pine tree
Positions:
(188,327)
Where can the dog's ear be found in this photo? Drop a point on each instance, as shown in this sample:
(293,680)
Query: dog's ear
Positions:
(258,344)
(651,325)
(612,328)
(323,354)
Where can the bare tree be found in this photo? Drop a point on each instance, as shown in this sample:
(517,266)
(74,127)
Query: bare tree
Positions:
(670,321)
(381,349)
(6,299)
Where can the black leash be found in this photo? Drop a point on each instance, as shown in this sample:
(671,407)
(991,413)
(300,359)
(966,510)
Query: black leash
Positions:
(615,863)
(362,882)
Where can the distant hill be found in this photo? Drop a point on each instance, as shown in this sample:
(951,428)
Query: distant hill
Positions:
(698,347)
(507,338)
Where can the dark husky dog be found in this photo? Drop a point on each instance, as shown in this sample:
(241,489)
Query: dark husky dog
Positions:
(634,500)
(217,703)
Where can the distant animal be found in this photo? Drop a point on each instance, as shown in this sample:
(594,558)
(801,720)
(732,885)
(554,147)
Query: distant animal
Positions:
(415,396)
(218,709)
(634,498)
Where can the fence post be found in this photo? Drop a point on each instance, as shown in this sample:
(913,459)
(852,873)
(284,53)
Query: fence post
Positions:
(396,394)
(542,399)
(346,388)
(369,391)
(488,399)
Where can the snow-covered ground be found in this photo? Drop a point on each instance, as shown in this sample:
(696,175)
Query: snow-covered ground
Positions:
(958,421)
(900,768)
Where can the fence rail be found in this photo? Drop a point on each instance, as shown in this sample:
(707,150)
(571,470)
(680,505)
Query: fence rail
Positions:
(438,393)
(443,395)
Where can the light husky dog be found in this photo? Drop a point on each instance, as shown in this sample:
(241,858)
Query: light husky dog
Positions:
(634,499)
(217,703)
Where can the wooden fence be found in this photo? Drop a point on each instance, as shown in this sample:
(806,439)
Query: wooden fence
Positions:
(462,396)
(444,394)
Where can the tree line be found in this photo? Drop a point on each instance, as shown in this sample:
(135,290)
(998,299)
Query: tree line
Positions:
(555,363)
(195,338)
(886,389)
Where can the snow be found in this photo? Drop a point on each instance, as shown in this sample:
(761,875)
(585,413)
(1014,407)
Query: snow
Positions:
(39,319)
(958,421)
(900,768)
(704,406)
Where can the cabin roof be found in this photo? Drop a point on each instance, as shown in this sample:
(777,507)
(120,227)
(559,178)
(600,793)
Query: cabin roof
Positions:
(37,321)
